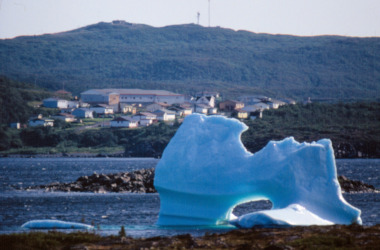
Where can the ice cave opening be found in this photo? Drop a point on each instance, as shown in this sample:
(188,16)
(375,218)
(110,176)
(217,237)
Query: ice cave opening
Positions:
(251,207)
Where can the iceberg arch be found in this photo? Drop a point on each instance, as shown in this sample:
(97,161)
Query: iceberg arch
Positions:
(205,171)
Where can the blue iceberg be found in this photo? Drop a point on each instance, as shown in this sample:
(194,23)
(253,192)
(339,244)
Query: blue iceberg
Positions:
(205,172)
(55,224)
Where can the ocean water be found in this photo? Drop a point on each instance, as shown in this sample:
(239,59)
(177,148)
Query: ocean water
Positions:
(136,212)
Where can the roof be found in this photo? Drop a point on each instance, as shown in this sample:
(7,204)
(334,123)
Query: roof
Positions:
(163,111)
(233,101)
(123,119)
(146,114)
(129,92)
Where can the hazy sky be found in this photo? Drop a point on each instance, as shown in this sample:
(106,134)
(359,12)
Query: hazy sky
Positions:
(297,17)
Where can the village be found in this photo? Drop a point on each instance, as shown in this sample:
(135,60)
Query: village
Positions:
(132,108)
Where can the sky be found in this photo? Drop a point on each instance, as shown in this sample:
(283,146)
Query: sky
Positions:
(295,17)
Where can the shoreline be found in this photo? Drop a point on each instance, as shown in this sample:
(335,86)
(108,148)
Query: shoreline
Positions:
(116,155)
(300,237)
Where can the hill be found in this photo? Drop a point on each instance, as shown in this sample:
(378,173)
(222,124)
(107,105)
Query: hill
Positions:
(189,58)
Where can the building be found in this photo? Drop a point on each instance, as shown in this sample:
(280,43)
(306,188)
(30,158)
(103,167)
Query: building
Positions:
(206,100)
(65,117)
(83,113)
(15,125)
(123,122)
(115,96)
(156,106)
(55,103)
(39,121)
(231,105)
(96,96)
(102,109)
(241,114)
(144,118)
(202,109)
(164,115)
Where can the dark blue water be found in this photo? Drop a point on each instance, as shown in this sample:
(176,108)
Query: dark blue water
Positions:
(137,212)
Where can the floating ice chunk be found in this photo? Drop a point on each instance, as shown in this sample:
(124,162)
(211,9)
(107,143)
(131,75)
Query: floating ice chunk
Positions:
(205,171)
(290,216)
(55,224)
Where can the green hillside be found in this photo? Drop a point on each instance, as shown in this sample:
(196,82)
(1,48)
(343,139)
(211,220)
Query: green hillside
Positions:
(189,58)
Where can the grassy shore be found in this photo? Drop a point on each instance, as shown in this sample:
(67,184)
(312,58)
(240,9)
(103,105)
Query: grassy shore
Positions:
(313,237)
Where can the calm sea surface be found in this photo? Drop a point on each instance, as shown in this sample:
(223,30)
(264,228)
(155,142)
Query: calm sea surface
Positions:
(137,212)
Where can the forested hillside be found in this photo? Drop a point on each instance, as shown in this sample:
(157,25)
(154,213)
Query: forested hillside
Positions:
(15,98)
(189,58)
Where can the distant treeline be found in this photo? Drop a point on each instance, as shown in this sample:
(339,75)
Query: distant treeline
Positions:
(354,129)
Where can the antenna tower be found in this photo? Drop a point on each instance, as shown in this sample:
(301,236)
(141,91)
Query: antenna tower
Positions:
(208,13)
(198,15)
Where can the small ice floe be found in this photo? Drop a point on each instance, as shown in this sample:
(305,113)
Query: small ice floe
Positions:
(55,224)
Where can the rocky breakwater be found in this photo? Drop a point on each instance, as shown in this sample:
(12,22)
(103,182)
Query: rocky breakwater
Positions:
(139,181)
(353,186)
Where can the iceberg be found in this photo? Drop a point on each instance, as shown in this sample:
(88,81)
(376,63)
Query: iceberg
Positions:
(55,224)
(205,172)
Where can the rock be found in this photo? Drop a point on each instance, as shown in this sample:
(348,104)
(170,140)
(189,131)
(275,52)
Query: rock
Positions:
(142,181)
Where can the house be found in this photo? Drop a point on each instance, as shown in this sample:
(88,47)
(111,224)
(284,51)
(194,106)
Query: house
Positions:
(127,108)
(102,109)
(73,104)
(39,121)
(181,111)
(255,107)
(208,93)
(15,125)
(206,100)
(83,113)
(65,117)
(144,118)
(123,122)
(164,115)
(202,109)
(156,106)
(55,103)
(212,111)
(241,114)
(275,104)
(231,105)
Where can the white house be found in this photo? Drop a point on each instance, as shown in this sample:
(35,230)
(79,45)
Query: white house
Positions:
(275,104)
(41,122)
(102,109)
(123,122)
(202,109)
(83,113)
(144,118)
(255,107)
(165,115)
(156,106)
(207,100)
(55,103)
